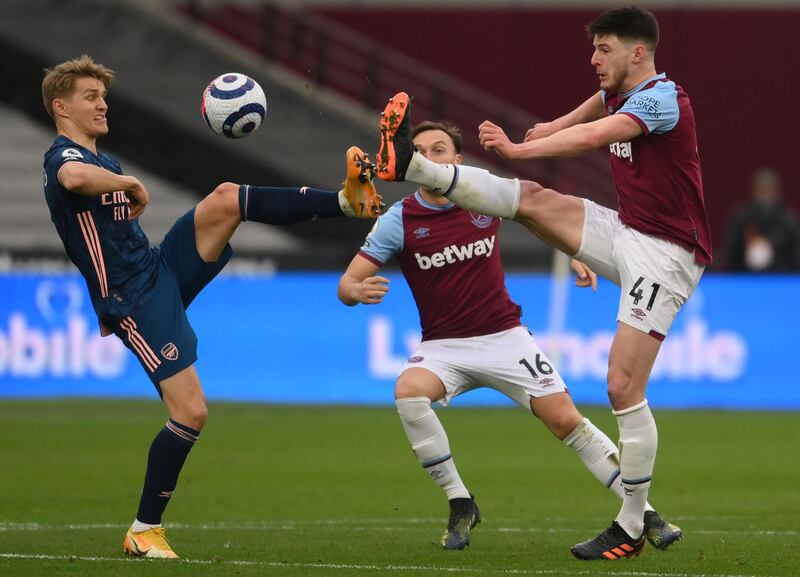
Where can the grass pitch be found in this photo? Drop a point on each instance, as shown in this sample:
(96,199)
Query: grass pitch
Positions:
(336,491)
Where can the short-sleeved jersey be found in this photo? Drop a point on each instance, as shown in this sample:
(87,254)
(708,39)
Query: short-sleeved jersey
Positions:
(451,260)
(110,250)
(657,174)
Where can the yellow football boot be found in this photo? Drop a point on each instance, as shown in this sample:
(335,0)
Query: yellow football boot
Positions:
(151,543)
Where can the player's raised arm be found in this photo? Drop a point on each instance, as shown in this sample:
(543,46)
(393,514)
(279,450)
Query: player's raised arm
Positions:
(592,109)
(359,284)
(93,180)
(572,141)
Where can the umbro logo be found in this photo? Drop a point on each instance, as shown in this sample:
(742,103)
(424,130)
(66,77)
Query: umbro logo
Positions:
(422,232)
(416,359)
(638,314)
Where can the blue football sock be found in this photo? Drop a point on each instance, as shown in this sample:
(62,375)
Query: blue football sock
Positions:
(286,205)
(164,462)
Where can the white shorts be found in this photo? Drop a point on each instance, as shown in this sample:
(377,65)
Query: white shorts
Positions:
(509,361)
(656,276)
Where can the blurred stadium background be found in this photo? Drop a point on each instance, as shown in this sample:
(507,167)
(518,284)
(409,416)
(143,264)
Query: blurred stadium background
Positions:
(327,68)
(271,329)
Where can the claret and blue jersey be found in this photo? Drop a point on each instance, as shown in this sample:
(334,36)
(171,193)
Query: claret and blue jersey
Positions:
(450,258)
(110,250)
(657,175)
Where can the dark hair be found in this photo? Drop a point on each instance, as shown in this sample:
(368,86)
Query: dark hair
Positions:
(629,23)
(450,130)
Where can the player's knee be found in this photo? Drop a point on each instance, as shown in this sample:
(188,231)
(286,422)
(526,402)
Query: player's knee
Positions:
(410,384)
(407,387)
(620,386)
(196,412)
(532,198)
(225,198)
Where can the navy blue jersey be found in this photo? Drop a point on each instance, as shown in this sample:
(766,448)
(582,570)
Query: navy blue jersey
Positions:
(110,250)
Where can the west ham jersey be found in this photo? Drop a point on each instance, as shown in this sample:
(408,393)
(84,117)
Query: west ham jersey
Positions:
(451,260)
(110,250)
(657,174)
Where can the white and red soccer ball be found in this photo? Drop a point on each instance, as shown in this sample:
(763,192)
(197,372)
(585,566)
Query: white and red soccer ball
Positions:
(234,105)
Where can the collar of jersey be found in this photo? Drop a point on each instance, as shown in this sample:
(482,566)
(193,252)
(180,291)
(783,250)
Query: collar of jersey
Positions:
(637,88)
(427,204)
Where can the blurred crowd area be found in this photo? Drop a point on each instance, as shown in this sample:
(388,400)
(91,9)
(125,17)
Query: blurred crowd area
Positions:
(764,233)
(327,68)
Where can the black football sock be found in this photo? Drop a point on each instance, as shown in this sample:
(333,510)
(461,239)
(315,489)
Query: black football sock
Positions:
(272,205)
(164,462)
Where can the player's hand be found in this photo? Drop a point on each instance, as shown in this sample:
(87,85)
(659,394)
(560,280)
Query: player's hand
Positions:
(539,130)
(138,196)
(371,290)
(492,137)
(584,276)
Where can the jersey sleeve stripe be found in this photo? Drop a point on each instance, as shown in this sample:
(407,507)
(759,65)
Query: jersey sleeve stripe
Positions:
(95,252)
(144,351)
(370,258)
(638,120)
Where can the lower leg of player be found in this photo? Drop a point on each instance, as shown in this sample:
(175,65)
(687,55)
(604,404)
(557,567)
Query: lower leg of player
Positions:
(429,442)
(469,187)
(167,455)
(273,205)
(599,454)
(638,442)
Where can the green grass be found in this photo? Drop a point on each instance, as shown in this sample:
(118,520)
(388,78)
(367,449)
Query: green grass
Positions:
(335,491)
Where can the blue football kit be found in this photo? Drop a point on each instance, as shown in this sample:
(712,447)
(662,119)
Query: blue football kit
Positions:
(138,292)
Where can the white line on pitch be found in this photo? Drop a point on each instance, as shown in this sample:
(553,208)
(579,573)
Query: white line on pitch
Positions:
(360,567)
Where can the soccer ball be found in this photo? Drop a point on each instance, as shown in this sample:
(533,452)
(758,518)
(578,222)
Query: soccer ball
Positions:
(234,105)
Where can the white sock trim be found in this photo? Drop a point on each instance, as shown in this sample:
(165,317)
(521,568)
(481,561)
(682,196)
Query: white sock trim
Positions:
(435,177)
(636,407)
(480,191)
(344,205)
(138,526)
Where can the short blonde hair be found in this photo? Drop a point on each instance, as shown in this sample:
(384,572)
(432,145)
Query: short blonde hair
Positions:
(60,80)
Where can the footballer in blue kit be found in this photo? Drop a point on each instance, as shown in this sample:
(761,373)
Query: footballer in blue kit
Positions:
(141,292)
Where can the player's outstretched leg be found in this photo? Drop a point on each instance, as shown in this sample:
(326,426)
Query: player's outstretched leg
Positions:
(276,205)
(471,188)
(464,515)
(660,532)
(613,543)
